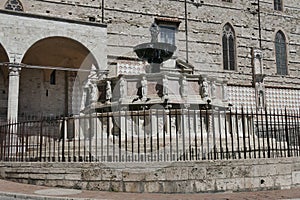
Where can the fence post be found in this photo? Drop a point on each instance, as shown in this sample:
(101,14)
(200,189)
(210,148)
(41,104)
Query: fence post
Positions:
(287,133)
(298,131)
(267,132)
(41,140)
(63,133)
(237,133)
(5,149)
(244,134)
(90,132)
(1,142)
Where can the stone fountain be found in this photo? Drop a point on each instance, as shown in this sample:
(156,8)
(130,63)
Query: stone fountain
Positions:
(158,100)
(168,89)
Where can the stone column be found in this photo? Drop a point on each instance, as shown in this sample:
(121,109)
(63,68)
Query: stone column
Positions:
(13,92)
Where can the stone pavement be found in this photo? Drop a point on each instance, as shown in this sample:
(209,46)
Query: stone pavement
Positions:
(12,190)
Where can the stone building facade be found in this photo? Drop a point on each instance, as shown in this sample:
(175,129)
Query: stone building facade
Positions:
(44,61)
(252,45)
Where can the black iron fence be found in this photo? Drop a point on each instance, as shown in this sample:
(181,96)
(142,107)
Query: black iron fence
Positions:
(154,135)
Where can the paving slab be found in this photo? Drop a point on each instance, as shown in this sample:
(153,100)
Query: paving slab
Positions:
(57,192)
(12,190)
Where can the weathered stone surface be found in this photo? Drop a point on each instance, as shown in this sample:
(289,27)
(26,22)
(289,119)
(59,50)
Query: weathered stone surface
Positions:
(156,175)
(283,180)
(252,183)
(176,173)
(91,174)
(154,186)
(263,170)
(296,178)
(197,173)
(111,174)
(128,23)
(134,187)
(177,177)
(102,186)
(133,175)
(27,30)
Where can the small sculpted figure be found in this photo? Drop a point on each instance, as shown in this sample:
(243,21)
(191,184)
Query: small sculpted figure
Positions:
(144,88)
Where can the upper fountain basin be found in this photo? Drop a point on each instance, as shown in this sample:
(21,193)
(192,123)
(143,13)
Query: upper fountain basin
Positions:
(157,52)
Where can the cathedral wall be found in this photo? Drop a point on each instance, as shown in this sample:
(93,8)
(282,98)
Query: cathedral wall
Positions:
(128,24)
(129,21)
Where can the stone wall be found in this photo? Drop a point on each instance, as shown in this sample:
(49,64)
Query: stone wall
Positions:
(21,36)
(128,23)
(3,97)
(245,97)
(41,96)
(162,177)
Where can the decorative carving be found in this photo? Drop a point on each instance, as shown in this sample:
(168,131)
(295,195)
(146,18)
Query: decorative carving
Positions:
(85,96)
(228,31)
(257,65)
(165,87)
(289,98)
(260,89)
(108,91)
(154,30)
(14,5)
(129,68)
(204,88)
(94,92)
(144,88)
(241,96)
(184,88)
(123,87)
(14,70)
(197,3)
(90,89)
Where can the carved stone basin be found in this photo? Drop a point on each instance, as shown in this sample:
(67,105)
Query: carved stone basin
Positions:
(157,52)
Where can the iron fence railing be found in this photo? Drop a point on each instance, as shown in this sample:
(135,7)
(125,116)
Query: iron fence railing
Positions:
(154,135)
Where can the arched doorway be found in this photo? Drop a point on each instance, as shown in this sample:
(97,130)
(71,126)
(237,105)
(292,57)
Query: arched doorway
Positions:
(49,82)
(3,83)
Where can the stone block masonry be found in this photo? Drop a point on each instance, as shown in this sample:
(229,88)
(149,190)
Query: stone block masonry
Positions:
(161,177)
(129,21)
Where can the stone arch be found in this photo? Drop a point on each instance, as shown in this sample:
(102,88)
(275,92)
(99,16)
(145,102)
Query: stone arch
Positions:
(3,82)
(4,59)
(58,51)
(3,55)
(64,55)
